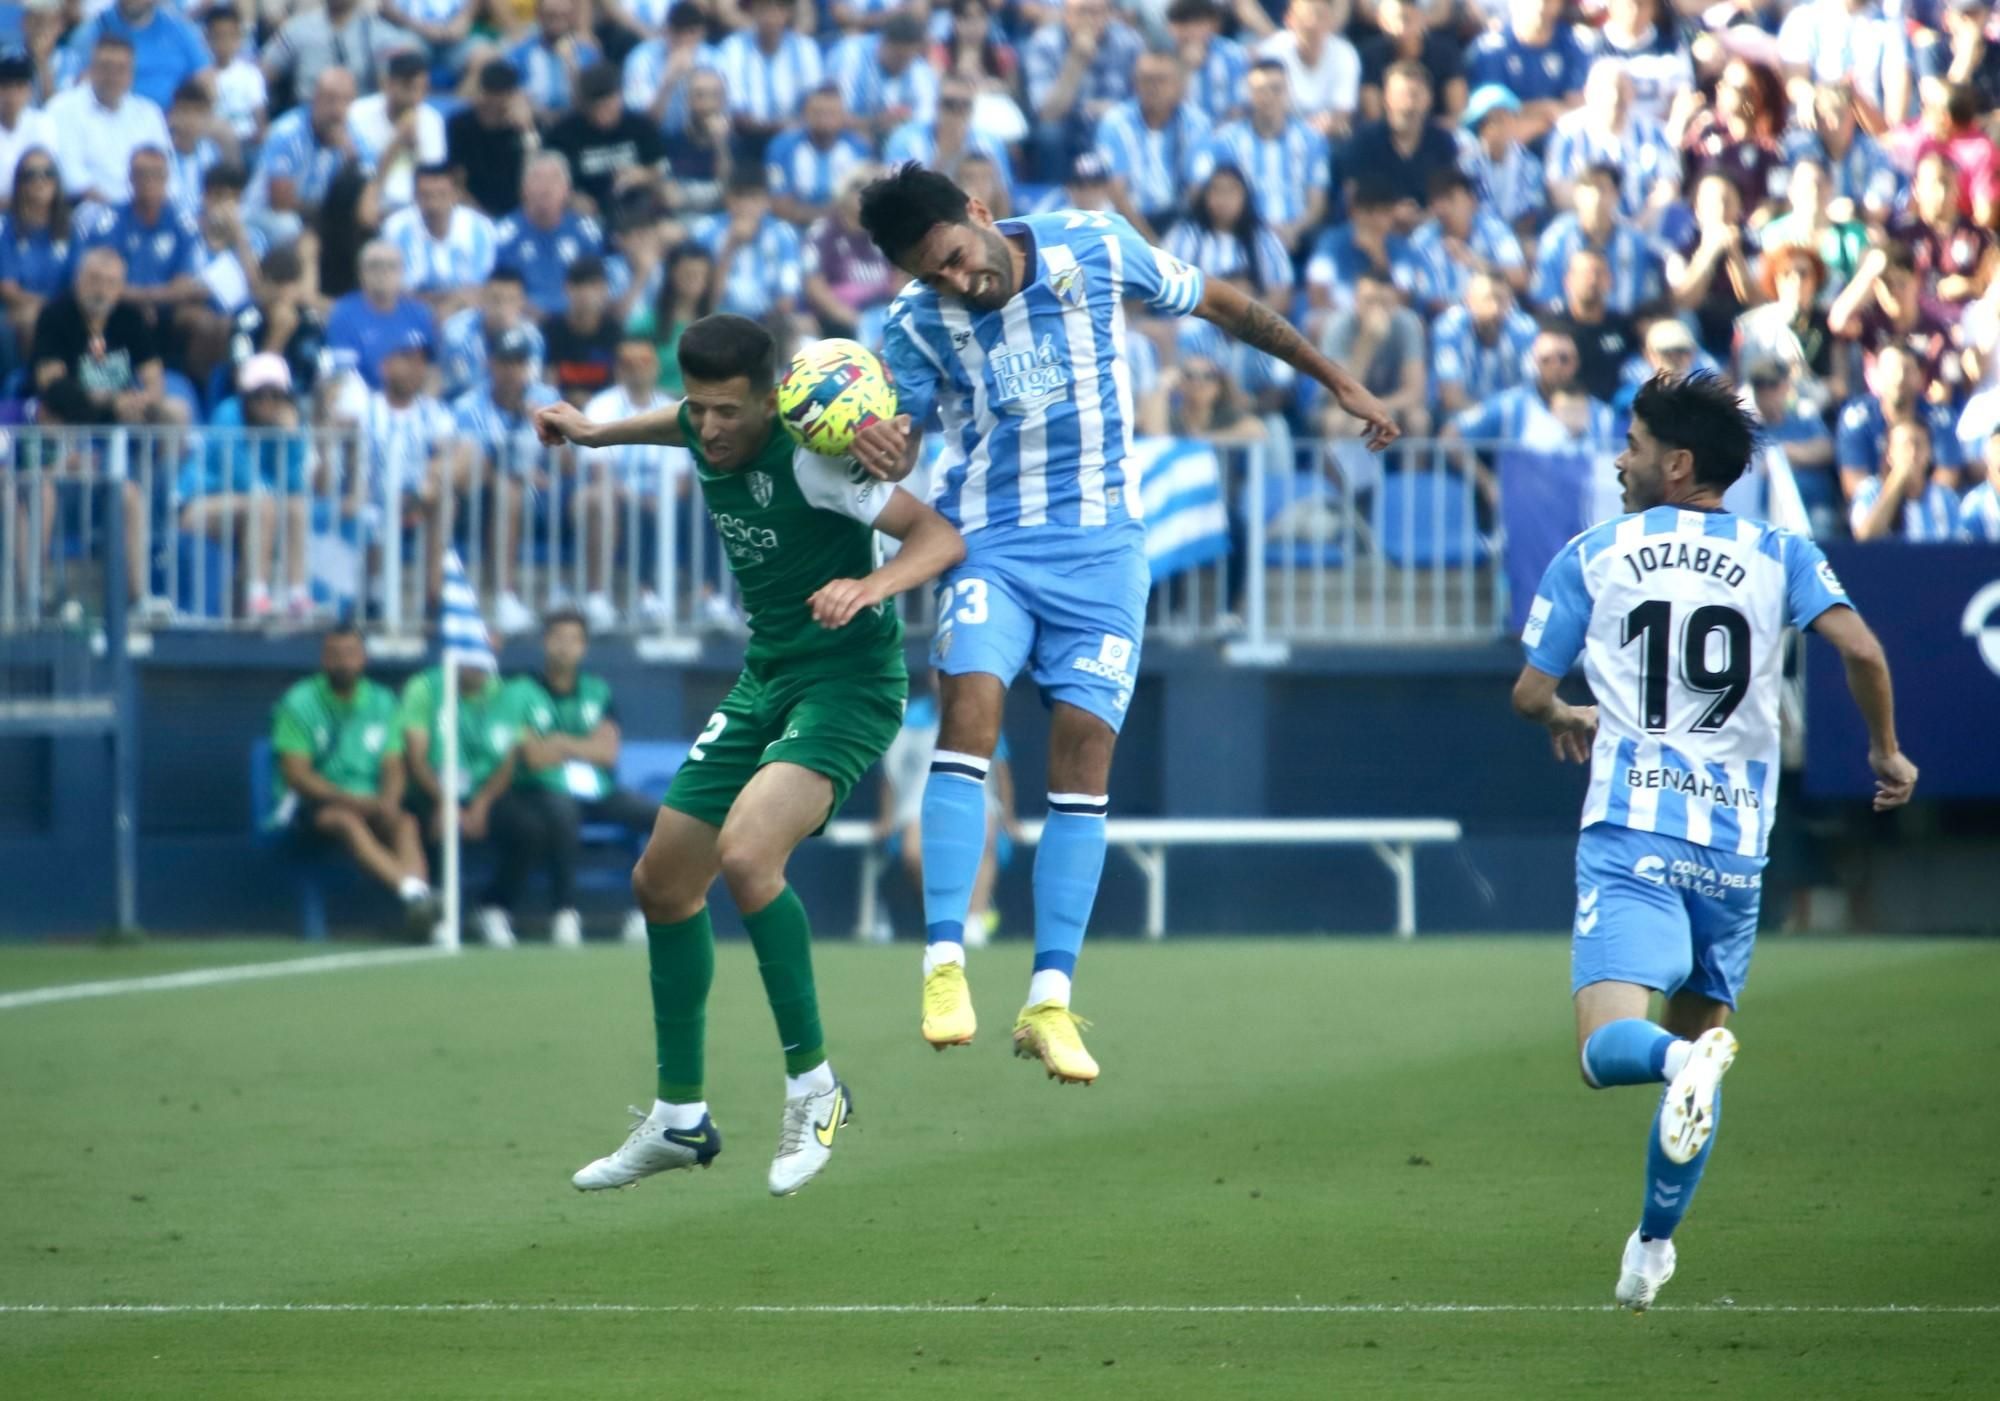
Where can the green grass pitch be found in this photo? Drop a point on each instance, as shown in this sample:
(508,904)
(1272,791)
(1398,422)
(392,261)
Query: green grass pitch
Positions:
(1297,1123)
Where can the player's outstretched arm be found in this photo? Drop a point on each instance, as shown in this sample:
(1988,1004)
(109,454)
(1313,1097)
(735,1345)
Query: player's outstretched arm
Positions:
(1572,728)
(1255,324)
(566,423)
(887,448)
(931,545)
(1868,681)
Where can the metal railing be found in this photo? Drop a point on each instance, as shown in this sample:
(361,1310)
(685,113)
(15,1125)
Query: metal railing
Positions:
(260,528)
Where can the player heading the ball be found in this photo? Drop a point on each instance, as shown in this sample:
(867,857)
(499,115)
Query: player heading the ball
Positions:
(819,699)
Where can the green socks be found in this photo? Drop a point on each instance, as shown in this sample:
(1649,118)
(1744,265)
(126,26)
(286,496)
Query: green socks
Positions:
(783,940)
(683,963)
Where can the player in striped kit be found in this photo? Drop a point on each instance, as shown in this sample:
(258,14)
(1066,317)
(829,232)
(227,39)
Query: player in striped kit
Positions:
(1014,333)
(1677,610)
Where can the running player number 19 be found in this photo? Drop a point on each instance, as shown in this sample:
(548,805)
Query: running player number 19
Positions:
(1651,624)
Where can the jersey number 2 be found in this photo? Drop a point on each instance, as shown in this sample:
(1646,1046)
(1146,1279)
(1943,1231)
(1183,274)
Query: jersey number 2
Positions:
(710,733)
(1652,624)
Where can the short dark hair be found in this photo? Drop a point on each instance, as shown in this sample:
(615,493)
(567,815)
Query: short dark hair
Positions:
(1448,182)
(585,269)
(1701,413)
(341,627)
(1193,12)
(718,348)
(507,274)
(215,13)
(900,209)
(1373,192)
(747,178)
(556,617)
(192,91)
(107,40)
(1605,172)
(436,170)
(226,176)
(1271,65)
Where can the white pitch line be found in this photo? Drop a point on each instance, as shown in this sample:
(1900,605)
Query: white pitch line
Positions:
(211,977)
(494,1307)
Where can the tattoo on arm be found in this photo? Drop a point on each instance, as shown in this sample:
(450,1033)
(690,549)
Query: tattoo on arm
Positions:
(1257,325)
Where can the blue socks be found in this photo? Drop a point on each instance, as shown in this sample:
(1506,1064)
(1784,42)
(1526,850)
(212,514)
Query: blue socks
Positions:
(1628,1052)
(1670,1185)
(954,828)
(1068,863)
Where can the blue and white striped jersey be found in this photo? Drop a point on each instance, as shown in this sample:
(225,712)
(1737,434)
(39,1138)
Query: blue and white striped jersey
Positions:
(1678,616)
(768,87)
(1930,519)
(646,68)
(1035,398)
(1159,168)
(761,275)
(1460,357)
(1641,152)
(1222,254)
(1282,171)
(1636,274)
(186,172)
(545,76)
(400,442)
(917,141)
(869,92)
(650,13)
(462,360)
(1220,85)
(1979,515)
(506,439)
(794,166)
(1440,279)
(462,258)
(1511,184)
(292,152)
(643,468)
(1863,173)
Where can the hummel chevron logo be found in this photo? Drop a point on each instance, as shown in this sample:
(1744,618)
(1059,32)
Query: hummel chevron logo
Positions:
(1586,923)
(1587,901)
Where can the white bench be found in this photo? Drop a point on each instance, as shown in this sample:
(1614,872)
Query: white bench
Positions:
(1146,840)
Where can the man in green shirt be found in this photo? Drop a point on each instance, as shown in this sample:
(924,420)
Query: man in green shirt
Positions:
(488,731)
(820,697)
(339,755)
(569,754)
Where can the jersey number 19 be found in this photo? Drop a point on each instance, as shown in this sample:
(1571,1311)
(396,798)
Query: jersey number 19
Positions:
(1706,631)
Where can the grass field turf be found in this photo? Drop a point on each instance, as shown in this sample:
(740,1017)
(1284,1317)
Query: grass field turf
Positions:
(1281,1124)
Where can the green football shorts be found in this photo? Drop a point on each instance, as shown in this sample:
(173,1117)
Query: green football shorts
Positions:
(834,725)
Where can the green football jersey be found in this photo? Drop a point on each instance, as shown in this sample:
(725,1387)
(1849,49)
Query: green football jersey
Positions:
(541,711)
(347,740)
(791,521)
(487,726)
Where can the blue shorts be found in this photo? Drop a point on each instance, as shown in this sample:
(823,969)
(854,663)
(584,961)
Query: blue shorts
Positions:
(1072,618)
(1663,913)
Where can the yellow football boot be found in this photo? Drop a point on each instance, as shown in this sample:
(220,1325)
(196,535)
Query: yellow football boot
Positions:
(1047,1032)
(948,1016)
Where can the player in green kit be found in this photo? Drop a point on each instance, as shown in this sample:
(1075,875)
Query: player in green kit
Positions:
(820,698)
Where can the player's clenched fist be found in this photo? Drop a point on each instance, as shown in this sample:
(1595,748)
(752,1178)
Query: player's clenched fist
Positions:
(882,448)
(562,423)
(837,601)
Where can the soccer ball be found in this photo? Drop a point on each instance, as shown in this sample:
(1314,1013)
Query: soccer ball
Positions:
(834,389)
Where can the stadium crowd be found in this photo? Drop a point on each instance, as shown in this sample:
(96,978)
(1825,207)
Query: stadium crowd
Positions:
(427,217)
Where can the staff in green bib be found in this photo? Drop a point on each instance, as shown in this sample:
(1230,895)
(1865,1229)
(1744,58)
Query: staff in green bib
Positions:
(569,757)
(339,755)
(820,697)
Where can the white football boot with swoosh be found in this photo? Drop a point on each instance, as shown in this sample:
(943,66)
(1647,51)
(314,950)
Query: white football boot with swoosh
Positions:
(805,1137)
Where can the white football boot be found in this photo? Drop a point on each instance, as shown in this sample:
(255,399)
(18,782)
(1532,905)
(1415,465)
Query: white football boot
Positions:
(566,930)
(651,1147)
(1647,1265)
(805,1137)
(634,929)
(495,928)
(1687,1119)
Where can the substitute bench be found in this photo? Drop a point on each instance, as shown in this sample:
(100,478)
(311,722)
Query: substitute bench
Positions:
(1146,840)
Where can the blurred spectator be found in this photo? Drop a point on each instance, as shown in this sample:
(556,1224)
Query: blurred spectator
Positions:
(627,484)
(885,77)
(1200,400)
(1382,342)
(1403,151)
(488,139)
(1285,161)
(100,122)
(448,248)
(34,247)
(283,319)
(1848,41)
(657,73)
(241,96)
(1267,382)
(1458,242)
(22,125)
(1224,236)
(1155,145)
(1406,36)
(756,253)
(1905,502)
(767,71)
(247,483)
(306,150)
(1323,68)
(545,236)
(1965,55)
(1607,131)
(1643,38)
(365,326)
(1535,56)
(1799,430)
(639,241)
(1088,187)
(501,307)
(1367,242)
(689,290)
(337,34)
(1862,172)
(554,56)
(1509,177)
(984,178)
(1077,69)
(1979,509)
(1668,348)
(1549,411)
(338,746)
(1885,306)
(1216,67)
(197,147)
(1709,274)
(396,131)
(582,343)
(1593,223)
(1479,346)
(1949,126)
(160,245)
(610,150)
(498,446)
(700,155)
(166,49)
(848,281)
(1737,137)
(407,435)
(1894,392)
(444,26)
(1810,222)
(229,257)
(943,143)
(1789,328)
(807,163)
(1954,257)
(1604,338)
